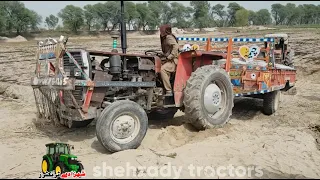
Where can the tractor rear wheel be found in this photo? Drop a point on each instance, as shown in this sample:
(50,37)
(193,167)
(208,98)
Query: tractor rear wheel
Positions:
(122,125)
(60,168)
(208,97)
(271,102)
(289,60)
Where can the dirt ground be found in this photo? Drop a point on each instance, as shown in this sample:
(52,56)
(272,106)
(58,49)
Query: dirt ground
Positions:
(284,145)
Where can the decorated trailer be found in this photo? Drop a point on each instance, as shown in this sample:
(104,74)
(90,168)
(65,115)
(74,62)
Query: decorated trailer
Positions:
(250,73)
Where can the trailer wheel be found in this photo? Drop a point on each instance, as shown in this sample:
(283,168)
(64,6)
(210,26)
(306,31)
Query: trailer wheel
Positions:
(271,102)
(159,114)
(208,97)
(122,125)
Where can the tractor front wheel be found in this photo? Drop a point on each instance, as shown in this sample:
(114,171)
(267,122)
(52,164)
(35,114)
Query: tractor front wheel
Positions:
(122,125)
(80,167)
(208,97)
(60,168)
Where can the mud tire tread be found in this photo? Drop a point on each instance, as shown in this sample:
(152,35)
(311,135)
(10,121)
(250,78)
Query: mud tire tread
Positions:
(193,95)
(104,121)
(269,101)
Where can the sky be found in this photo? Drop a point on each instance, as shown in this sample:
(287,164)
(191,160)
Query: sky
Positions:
(45,8)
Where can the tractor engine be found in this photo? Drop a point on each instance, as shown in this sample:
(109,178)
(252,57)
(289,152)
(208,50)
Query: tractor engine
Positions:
(137,70)
(111,68)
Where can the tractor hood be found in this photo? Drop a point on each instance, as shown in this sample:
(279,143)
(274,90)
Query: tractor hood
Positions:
(69,155)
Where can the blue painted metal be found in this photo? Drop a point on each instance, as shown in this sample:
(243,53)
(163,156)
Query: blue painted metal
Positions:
(226,39)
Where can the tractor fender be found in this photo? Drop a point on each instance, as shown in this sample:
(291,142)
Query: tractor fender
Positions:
(50,161)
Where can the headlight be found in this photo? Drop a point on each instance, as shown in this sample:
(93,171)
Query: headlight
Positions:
(73,158)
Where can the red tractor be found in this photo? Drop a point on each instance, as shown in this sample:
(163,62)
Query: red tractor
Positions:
(124,93)
(283,52)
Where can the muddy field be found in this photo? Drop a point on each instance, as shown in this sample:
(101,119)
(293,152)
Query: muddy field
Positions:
(284,145)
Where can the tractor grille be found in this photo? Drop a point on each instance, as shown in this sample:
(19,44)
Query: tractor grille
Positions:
(67,62)
(69,68)
(77,93)
(72,161)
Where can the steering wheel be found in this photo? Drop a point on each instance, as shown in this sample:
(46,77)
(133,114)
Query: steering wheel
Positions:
(153,53)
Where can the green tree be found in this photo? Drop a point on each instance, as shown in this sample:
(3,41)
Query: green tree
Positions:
(34,20)
(201,15)
(102,14)
(311,13)
(318,14)
(242,17)
(52,21)
(290,17)
(180,15)
(233,7)
(252,17)
(279,13)
(263,17)
(131,13)
(143,15)
(160,13)
(17,17)
(221,13)
(72,17)
(89,16)
(3,17)
(108,13)
(114,13)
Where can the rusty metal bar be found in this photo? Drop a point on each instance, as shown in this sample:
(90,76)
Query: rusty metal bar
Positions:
(229,55)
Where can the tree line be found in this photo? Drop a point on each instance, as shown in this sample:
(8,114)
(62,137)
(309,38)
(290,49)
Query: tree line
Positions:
(15,17)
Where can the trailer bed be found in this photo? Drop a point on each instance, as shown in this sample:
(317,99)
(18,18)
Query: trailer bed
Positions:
(256,63)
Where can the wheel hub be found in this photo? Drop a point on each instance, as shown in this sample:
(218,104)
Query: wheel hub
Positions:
(123,127)
(44,166)
(212,98)
(58,170)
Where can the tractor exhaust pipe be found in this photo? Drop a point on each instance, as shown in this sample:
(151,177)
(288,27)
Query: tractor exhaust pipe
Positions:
(123,38)
(123,30)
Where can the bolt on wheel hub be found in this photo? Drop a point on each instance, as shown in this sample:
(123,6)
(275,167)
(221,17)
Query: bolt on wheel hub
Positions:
(123,127)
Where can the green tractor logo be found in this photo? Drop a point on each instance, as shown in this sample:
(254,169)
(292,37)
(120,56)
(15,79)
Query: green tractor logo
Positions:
(59,159)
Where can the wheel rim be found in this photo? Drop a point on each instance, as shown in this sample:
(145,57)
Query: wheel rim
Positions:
(58,170)
(124,128)
(44,166)
(214,100)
